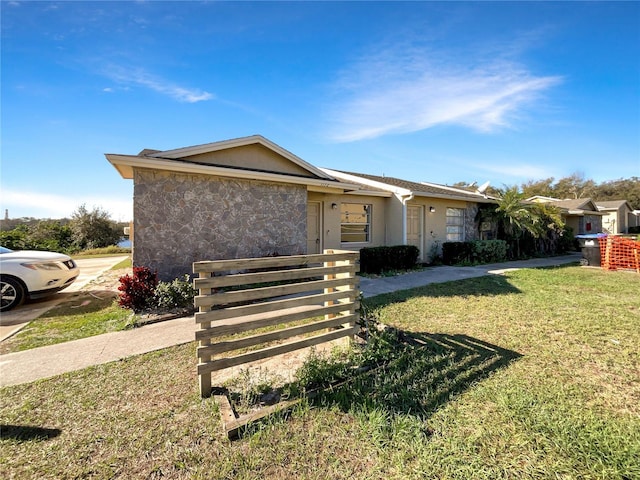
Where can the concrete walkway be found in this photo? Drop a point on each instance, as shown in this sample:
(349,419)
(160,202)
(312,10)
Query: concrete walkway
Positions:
(45,362)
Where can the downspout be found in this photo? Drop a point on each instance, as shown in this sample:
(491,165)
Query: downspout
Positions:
(404,199)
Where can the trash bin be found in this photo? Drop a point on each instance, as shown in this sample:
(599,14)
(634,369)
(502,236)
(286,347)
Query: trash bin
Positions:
(590,248)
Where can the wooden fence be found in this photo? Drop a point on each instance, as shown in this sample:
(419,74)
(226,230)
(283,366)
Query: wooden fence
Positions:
(287,293)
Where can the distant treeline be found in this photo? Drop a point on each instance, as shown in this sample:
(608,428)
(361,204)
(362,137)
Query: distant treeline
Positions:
(576,186)
(84,230)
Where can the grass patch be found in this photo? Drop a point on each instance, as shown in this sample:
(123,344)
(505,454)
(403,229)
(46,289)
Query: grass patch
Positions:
(84,316)
(531,375)
(126,263)
(112,250)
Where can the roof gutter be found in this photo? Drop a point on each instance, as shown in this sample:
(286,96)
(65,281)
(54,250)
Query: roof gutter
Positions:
(404,199)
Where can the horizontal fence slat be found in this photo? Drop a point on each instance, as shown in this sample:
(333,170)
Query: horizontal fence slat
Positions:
(268,292)
(244,310)
(267,262)
(222,363)
(230,345)
(265,277)
(242,324)
(268,307)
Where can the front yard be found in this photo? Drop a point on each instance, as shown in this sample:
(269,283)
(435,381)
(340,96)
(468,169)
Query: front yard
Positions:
(535,374)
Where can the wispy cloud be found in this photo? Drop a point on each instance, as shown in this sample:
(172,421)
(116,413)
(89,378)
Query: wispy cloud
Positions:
(145,79)
(52,205)
(402,90)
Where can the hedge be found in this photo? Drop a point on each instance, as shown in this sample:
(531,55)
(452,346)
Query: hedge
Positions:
(397,257)
(476,252)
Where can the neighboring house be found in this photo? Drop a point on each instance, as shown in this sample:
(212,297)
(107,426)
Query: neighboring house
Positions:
(618,216)
(634,218)
(249,197)
(581,214)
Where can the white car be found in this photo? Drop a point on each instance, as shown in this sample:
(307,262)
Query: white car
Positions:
(32,274)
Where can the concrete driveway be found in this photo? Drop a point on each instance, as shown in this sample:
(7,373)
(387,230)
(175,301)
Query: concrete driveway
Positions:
(90,269)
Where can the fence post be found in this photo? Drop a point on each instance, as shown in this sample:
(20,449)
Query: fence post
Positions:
(205,379)
(330,289)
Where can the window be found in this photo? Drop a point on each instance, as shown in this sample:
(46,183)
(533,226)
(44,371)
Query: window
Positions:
(355,223)
(455,225)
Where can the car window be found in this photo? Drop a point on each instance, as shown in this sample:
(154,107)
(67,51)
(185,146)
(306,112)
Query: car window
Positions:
(5,250)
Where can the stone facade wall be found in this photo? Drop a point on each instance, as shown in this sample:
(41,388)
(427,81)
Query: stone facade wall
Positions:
(595,221)
(470,225)
(182,218)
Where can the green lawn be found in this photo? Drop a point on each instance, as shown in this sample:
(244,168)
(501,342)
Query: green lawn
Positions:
(79,315)
(535,374)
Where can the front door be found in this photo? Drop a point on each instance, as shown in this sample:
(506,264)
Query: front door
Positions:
(414,227)
(314,243)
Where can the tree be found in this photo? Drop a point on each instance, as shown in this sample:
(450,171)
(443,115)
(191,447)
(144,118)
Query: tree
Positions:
(574,186)
(93,229)
(516,219)
(622,189)
(50,235)
(544,188)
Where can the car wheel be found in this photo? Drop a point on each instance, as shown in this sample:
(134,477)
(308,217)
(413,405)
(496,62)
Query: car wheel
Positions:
(11,293)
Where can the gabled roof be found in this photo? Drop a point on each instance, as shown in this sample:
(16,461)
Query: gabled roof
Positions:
(576,206)
(185,152)
(201,159)
(405,188)
(612,205)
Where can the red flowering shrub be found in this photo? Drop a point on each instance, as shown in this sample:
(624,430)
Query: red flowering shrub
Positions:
(137,291)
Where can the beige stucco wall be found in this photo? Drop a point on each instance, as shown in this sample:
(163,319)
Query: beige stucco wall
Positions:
(331,219)
(255,157)
(435,223)
(610,223)
(387,223)
(182,218)
(617,221)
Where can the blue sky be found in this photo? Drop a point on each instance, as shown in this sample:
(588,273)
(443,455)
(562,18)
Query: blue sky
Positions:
(427,91)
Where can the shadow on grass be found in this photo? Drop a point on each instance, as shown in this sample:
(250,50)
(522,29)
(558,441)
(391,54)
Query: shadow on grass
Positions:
(433,370)
(488,285)
(79,303)
(27,433)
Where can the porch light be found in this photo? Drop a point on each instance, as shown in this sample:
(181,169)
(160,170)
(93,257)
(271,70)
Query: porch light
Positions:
(432,209)
(334,206)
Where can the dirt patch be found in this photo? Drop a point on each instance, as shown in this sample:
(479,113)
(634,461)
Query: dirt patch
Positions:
(109,280)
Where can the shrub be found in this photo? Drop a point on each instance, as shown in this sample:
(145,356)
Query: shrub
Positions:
(379,259)
(567,242)
(137,292)
(455,252)
(176,294)
(475,252)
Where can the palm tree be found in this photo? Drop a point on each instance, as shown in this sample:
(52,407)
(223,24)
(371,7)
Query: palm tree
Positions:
(517,217)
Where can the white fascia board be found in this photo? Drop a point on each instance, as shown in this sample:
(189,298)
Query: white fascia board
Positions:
(125,164)
(453,189)
(541,197)
(403,192)
(239,142)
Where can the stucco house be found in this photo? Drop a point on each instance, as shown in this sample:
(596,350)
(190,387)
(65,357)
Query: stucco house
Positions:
(248,197)
(581,214)
(618,216)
